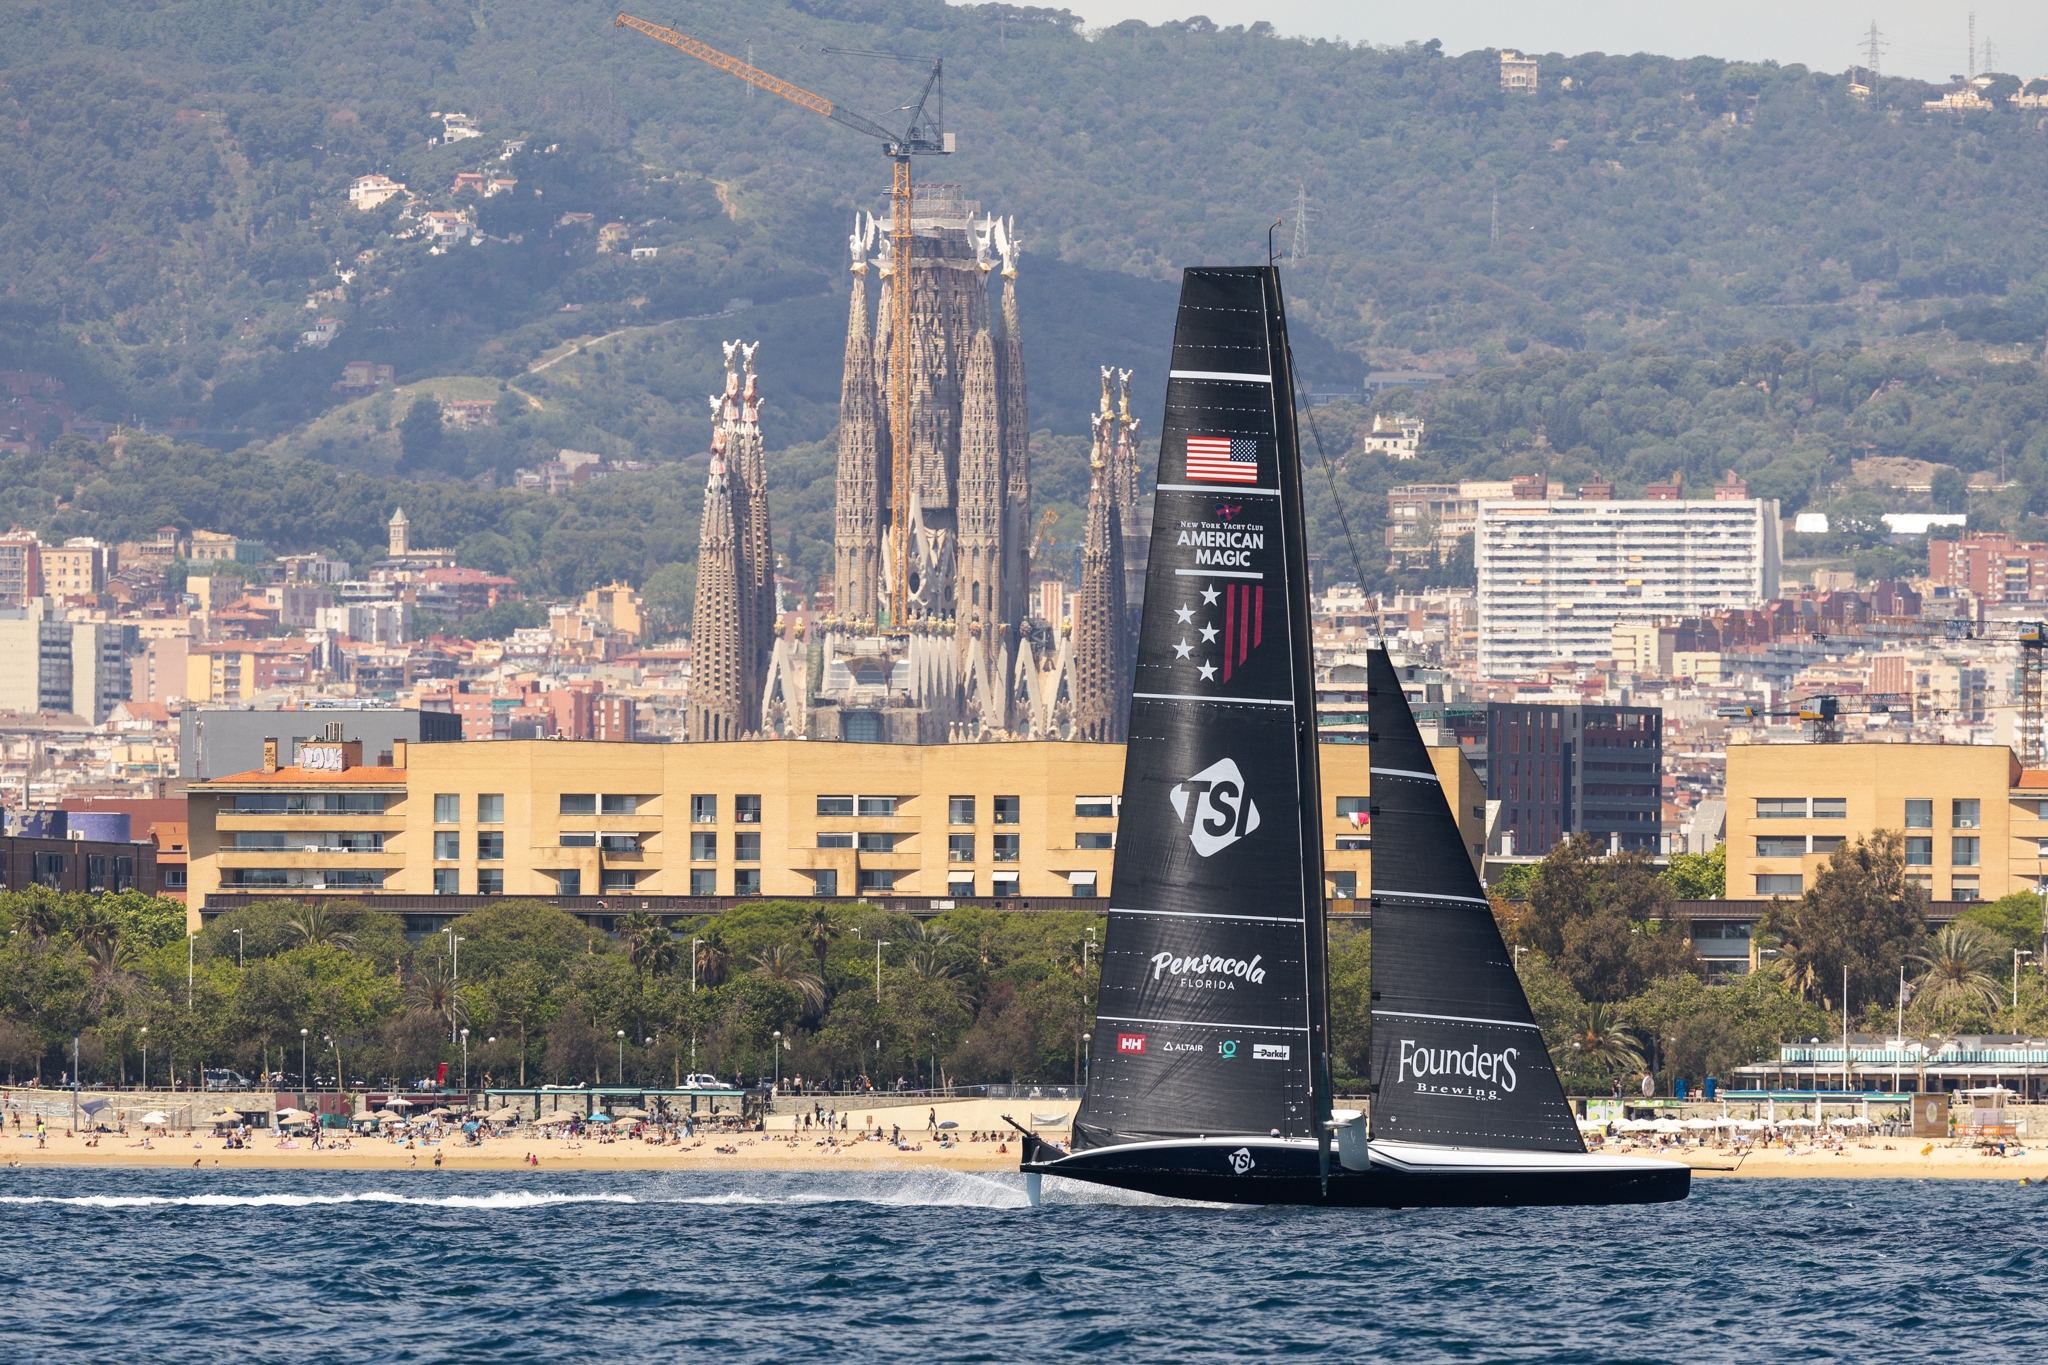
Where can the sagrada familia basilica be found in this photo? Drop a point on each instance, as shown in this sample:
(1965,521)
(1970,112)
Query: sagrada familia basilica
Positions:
(961,663)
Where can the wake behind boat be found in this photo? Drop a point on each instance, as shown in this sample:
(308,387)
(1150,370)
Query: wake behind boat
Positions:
(1210,1071)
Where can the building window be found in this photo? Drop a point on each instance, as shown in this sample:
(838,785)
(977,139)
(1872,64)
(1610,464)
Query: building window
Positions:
(174,877)
(447,846)
(1919,814)
(490,847)
(1827,843)
(1780,884)
(619,843)
(960,885)
(1355,811)
(835,840)
(583,840)
(877,879)
(747,882)
(581,803)
(1963,851)
(825,881)
(861,727)
(1344,886)
(1081,885)
(1830,807)
(2041,848)
(1353,844)
(703,881)
(703,810)
(1781,846)
(1781,808)
(569,881)
(1009,810)
(447,809)
(1006,847)
(615,883)
(877,843)
(1967,814)
(960,848)
(877,805)
(490,810)
(835,805)
(620,805)
(746,848)
(960,810)
(1003,884)
(1094,808)
(1963,889)
(447,881)
(490,881)
(1919,850)
(703,848)
(1097,839)
(746,810)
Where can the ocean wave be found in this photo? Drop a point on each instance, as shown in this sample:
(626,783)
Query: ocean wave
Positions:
(496,1200)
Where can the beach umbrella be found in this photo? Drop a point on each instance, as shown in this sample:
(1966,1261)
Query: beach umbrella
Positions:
(1701,1124)
(224,1116)
(949,1123)
(285,1116)
(398,1102)
(1798,1123)
(631,1114)
(155,1118)
(1752,1125)
(439,1112)
(559,1116)
(599,1117)
(390,1118)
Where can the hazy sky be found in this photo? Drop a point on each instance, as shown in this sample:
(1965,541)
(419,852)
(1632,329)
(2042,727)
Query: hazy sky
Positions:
(1924,38)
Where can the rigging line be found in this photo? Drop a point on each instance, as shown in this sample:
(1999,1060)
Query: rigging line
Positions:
(1309,411)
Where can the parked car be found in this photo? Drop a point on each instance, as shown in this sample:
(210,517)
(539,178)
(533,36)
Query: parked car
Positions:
(701,1081)
(221,1078)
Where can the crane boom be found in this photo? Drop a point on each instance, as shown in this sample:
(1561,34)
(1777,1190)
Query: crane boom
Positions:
(920,137)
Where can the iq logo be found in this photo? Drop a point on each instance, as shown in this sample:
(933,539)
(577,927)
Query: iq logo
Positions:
(1130,1042)
(1227,1048)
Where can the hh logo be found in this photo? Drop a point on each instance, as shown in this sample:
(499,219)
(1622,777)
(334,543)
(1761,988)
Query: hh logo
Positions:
(1241,1160)
(1215,807)
(1130,1042)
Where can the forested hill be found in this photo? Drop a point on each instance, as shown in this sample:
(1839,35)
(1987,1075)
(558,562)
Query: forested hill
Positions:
(176,174)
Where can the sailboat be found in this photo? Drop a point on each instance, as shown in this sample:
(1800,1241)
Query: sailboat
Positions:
(1209,1073)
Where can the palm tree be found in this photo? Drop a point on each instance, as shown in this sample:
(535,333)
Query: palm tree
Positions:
(110,964)
(779,963)
(713,958)
(98,927)
(432,988)
(650,947)
(40,917)
(819,929)
(316,925)
(1956,972)
(1599,1045)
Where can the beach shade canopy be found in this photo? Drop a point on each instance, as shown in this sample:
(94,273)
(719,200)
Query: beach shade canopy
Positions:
(501,1115)
(1701,1124)
(92,1107)
(293,1116)
(224,1116)
(471,1127)
(1798,1123)
(390,1118)
(1752,1125)
(439,1112)
(600,1117)
(559,1116)
(631,1114)
(1591,1126)
(949,1123)
(1048,1120)
(398,1102)
(1849,1120)
(155,1118)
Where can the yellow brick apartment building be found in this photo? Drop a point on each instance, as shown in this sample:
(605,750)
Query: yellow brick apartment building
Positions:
(562,818)
(1972,817)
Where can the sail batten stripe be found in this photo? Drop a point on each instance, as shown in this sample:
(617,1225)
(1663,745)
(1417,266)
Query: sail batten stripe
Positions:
(1457,1019)
(1216,573)
(1379,892)
(1206,1023)
(1226,375)
(1205,914)
(1208,488)
(1407,772)
(1232,701)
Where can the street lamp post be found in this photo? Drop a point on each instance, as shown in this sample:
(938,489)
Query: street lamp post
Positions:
(1087,1046)
(465,1061)
(190,939)
(622,1056)
(454,975)
(145,1056)
(305,1077)
(693,965)
(238,948)
(2017,954)
(880,944)
(778,1063)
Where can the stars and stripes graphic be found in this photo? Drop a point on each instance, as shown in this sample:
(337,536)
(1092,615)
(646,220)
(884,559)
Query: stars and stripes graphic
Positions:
(1223,459)
(1244,623)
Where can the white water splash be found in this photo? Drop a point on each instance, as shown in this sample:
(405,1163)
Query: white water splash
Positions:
(497,1200)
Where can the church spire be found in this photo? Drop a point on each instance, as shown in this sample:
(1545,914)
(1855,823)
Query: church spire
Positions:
(1016,442)
(1100,632)
(717,702)
(856,531)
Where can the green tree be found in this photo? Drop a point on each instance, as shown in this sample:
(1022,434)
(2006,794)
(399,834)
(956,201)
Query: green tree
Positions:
(419,435)
(1953,975)
(1699,876)
(1861,914)
(2014,920)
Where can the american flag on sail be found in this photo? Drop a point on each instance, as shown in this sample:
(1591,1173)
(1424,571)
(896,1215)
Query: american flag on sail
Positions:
(1223,459)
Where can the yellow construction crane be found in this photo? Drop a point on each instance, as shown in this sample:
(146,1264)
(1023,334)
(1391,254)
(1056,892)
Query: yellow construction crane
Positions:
(922,135)
(1046,523)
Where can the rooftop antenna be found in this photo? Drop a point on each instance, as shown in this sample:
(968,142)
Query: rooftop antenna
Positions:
(1874,58)
(1300,248)
(1971,65)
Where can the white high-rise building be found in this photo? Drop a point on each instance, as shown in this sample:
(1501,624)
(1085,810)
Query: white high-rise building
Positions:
(1556,577)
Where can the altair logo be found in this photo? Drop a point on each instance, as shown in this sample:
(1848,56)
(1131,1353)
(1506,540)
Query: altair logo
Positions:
(1215,807)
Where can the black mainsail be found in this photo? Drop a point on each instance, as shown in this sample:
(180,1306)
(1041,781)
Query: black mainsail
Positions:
(1212,1017)
(1457,1058)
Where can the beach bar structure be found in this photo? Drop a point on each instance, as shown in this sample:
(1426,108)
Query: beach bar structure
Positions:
(1915,1065)
(591,1099)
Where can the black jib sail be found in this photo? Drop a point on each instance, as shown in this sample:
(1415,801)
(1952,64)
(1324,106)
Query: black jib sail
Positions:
(1457,1059)
(1213,1016)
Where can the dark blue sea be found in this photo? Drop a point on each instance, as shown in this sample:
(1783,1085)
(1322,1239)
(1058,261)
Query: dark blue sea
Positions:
(173,1266)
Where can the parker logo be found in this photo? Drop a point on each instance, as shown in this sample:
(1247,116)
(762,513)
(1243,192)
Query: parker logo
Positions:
(1241,1160)
(1215,807)
(1271,1052)
(1130,1042)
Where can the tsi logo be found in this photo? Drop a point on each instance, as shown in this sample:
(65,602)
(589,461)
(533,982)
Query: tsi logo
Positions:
(1215,807)
(1130,1042)
(1271,1052)
(1241,1160)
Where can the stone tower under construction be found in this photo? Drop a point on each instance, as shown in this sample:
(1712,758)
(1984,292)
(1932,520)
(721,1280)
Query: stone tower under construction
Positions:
(732,636)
